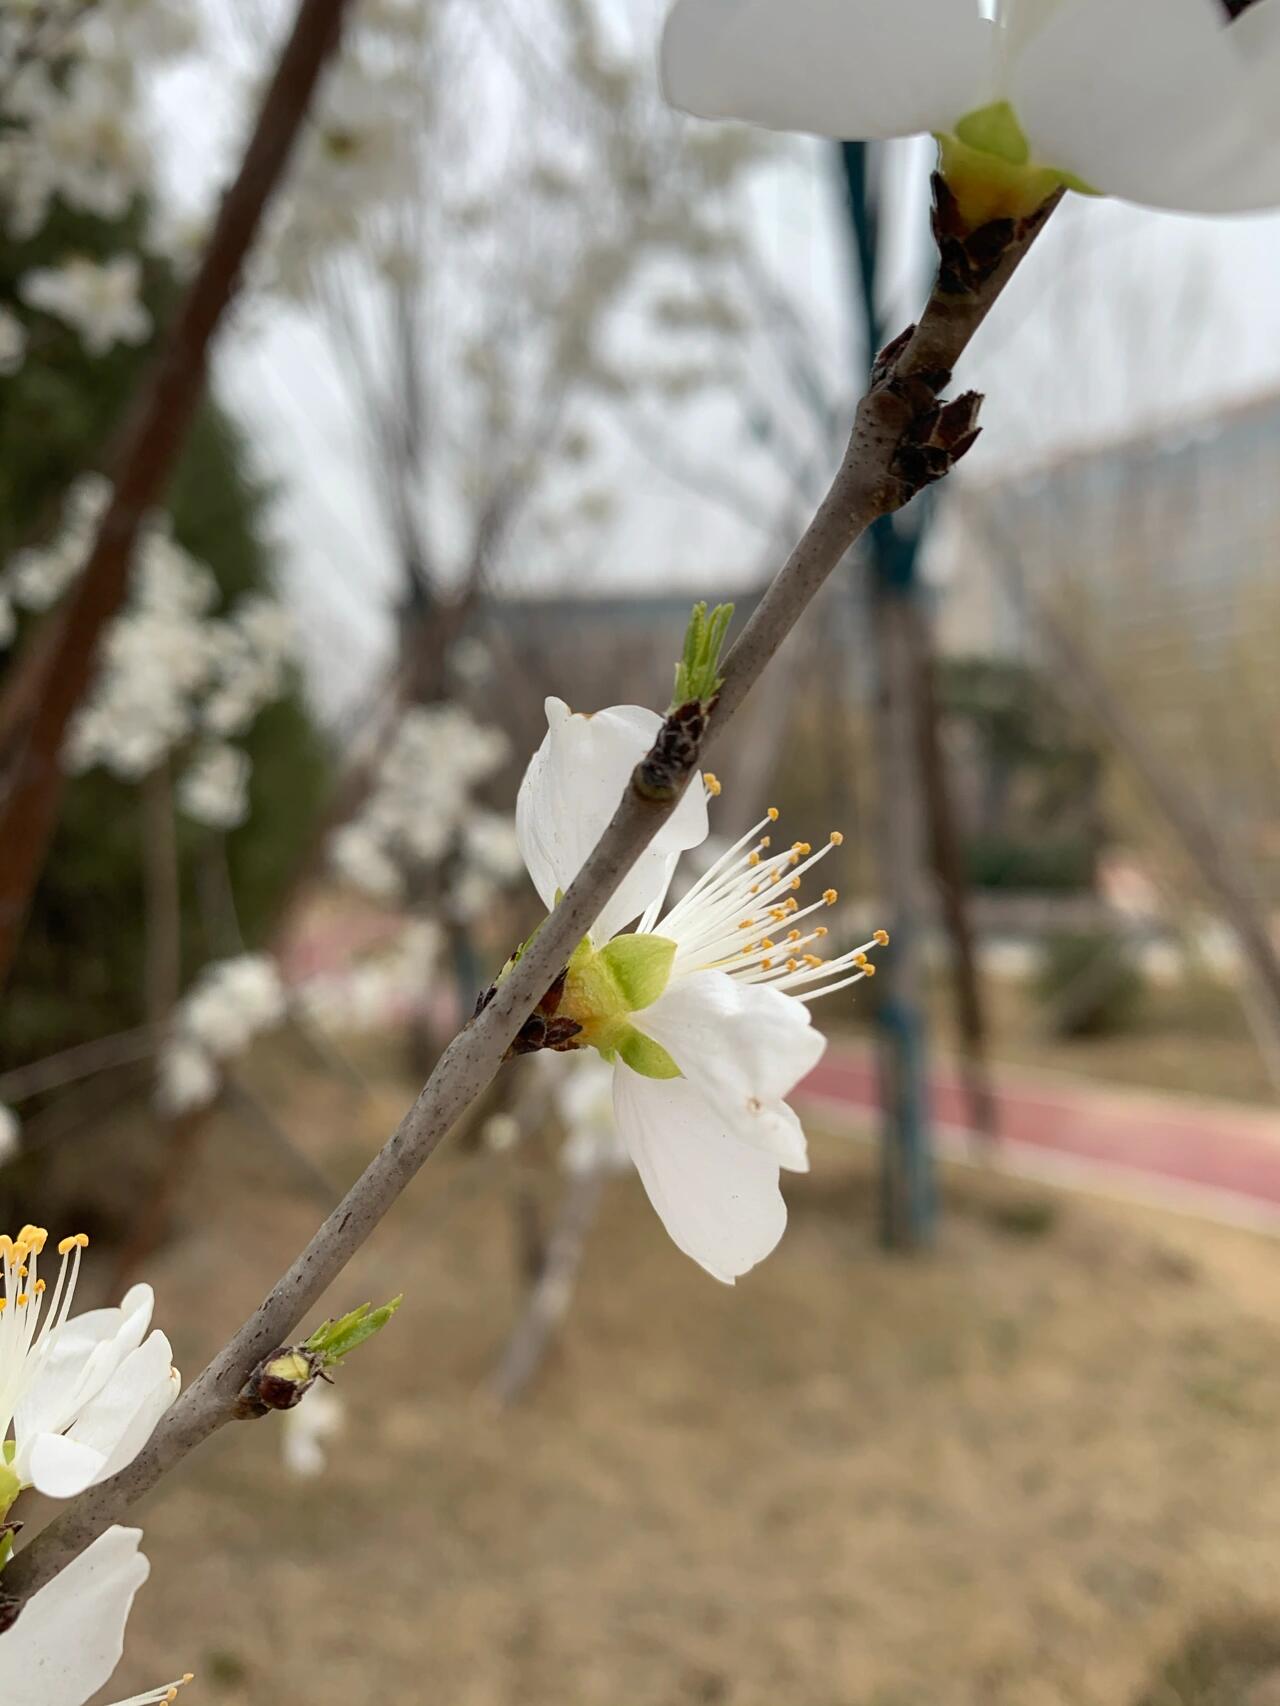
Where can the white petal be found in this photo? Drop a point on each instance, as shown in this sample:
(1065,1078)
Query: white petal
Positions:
(570,791)
(78,1362)
(746,1047)
(846,68)
(69,1639)
(718,1199)
(1146,100)
(112,1429)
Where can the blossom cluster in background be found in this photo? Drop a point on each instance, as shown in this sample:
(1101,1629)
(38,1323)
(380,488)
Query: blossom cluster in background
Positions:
(375,993)
(71,133)
(231,1002)
(174,677)
(422,819)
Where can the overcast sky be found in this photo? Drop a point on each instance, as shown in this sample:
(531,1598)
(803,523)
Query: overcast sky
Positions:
(1119,319)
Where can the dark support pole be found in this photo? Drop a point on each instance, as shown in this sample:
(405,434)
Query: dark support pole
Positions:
(907,1194)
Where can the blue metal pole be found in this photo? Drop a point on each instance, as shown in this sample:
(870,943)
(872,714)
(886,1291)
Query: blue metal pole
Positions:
(907,1188)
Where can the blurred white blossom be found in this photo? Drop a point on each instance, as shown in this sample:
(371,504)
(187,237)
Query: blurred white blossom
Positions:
(214,788)
(169,671)
(376,992)
(13,343)
(40,574)
(584,1102)
(308,1428)
(421,815)
(99,300)
(10,1129)
(232,1002)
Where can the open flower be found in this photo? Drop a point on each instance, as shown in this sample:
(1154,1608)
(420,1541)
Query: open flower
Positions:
(702,1012)
(69,1639)
(81,1393)
(1171,103)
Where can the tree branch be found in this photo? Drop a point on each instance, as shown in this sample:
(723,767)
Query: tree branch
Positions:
(145,455)
(899,442)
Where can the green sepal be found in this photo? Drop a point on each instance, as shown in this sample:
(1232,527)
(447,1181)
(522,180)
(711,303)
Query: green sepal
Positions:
(645,1056)
(336,1339)
(10,1487)
(995,130)
(640,967)
(987,164)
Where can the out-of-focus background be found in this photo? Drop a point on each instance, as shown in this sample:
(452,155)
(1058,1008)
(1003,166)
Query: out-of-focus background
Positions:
(524,364)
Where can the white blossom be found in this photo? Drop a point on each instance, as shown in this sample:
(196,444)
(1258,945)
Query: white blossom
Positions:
(99,300)
(188,1077)
(70,1637)
(377,992)
(40,574)
(10,1133)
(231,1002)
(584,1102)
(80,1393)
(13,343)
(168,670)
(1171,103)
(214,788)
(421,810)
(702,1011)
(308,1429)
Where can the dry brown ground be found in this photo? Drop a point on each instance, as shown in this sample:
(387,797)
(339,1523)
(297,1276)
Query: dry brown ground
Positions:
(1015,1473)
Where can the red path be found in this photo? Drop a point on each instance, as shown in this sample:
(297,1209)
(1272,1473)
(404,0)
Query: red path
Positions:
(1212,1158)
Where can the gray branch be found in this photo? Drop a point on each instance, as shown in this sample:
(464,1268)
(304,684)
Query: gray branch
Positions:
(899,414)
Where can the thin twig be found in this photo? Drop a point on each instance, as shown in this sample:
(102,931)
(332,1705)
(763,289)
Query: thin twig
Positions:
(870,482)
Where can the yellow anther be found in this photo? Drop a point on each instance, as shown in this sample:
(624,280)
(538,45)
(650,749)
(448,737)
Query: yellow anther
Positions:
(711,783)
(792,906)
(812,960)
(778,913)
(868,970)
(860,960)
(830,896)
(24,1297)
(766,965)
(753,859)
(766,943)
(773,814)
(836,838)
(793,935)
(801,847)
(766,841)
(745,923)
(822,930)
(755,888)
(39,1288)
(32,1238)
(4,1304)
(793,965)
(881,936)
(80,1239)
(794,883)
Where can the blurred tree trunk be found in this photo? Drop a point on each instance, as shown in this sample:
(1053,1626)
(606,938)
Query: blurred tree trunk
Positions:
(163,896)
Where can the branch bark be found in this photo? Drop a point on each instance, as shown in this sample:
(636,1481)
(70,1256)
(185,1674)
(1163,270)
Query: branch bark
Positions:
(896,424)
(145,455)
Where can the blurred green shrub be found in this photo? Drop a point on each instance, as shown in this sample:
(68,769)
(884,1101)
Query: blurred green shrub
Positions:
(1089,983)
(1064,866)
